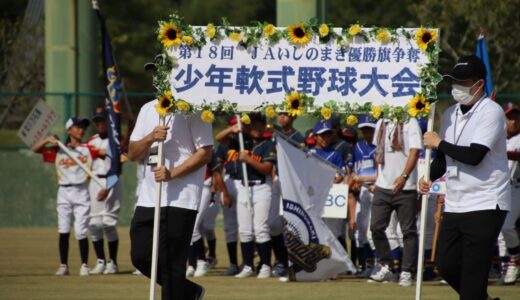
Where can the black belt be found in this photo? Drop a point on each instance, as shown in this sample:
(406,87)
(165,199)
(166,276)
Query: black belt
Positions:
(254,182)
(102,176)
(71,185)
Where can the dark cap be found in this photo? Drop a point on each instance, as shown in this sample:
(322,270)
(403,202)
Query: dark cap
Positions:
(322,127)
(77,121)
(257,117)
(152,66)
(511,109)
(468,67)
(99,115)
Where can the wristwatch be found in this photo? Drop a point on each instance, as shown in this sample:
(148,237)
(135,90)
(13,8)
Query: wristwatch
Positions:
(405,176)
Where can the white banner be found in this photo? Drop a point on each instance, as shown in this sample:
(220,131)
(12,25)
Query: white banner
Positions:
(336,204)
(314,252)
(38,124)
(360,72)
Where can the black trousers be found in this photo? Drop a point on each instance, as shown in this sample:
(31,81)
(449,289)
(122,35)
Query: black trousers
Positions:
(175,230)
(465,250)
(405,205)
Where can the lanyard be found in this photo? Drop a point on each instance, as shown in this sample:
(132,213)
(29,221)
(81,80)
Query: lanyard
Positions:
(455,138)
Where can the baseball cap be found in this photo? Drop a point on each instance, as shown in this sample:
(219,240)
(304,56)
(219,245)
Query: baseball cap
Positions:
(149,66)
(365,121)
(99,115)
(468,67)
(77,121)
(349,132)
(511,109)
(322,127)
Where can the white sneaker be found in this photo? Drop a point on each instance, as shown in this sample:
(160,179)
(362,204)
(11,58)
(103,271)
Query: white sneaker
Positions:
(99,268)
(247,271)
(511,273)
(190,271)
(202,268)
(111,268)
(84,270)
(383,274)
(405,279)
(265,272)
(63,270)
(137,272)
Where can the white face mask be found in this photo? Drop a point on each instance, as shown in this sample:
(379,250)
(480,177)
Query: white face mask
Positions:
(461,93)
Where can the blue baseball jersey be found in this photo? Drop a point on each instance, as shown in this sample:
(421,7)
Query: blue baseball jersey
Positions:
(213,165)
(330,155)
(344,150)
(261,150)
(229,157)
(363,160)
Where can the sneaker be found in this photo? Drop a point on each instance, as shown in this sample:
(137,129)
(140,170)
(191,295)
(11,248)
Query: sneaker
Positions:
(202,268)
(383,275)
(247,271)
(199,292)
(63,270)
(212,262)
(99,268)
(232,270)
(84,270)
(279,270)
(365,273)
(265,272)
(137,272)
(511,273)
(111,268)
(405,279)
(190,271)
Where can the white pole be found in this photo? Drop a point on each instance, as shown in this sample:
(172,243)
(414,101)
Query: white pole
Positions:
(424,207)
(156,219)
(80,164)
(244,166)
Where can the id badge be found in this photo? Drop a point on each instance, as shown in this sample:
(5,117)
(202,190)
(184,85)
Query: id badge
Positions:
(153,157)
(452,171)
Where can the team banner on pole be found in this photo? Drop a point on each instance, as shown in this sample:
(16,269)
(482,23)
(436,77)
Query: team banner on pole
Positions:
(314,252)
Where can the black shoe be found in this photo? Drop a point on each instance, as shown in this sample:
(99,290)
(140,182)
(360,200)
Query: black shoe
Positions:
(199,292)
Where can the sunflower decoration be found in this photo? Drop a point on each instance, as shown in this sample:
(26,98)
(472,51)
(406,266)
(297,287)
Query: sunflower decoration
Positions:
(294,104)
(324,30)
(268,30)
(418,106)
(383,35)
(207,116)
(182,106)
(170,35)
(354,29)
(425,37)
(211,31)
(326,113)
(165,104)
(235,36)
(270,111)
(245,119)
(352,120)
(375,111)
(188,40)
(299,34)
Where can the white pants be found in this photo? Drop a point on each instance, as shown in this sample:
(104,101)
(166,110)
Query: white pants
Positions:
(508,236)
(73,200)
(253,219)
(430,222)
(230,213)
(104,214)
(363,216)
(202,211)
(276,223)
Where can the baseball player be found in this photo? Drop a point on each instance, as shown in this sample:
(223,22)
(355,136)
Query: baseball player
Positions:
(253,203)
(73,196)
(104,203)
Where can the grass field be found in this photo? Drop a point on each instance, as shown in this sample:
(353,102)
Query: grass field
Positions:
(28,259)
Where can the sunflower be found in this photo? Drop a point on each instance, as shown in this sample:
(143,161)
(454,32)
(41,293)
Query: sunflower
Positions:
(324,30)
(170,35)
(294,104)
(383,36)
(182,105)
(326,113)
(418,106)
(425,37)
(270,112)
(211,30)
(235,36)
(376,111)
(352,120)
(298,35)
(188,40)
(207,116)
(165,103)
(269,30)
(354,29)
(245,119)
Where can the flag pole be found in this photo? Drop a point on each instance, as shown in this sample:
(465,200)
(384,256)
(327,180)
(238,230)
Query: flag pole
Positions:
(244,166)
(156,219)
(424,208)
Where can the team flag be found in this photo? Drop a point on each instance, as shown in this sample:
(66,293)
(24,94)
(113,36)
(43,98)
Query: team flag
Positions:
(482,53)
(112,97)
(314,252)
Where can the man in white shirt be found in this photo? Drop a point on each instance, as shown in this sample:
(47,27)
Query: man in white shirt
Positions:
(471,151)
(397,149)
(188,144)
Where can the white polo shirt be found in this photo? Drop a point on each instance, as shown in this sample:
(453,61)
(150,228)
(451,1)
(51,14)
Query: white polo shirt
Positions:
(187,133)
(513,145)
(486,185)
(395,161)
